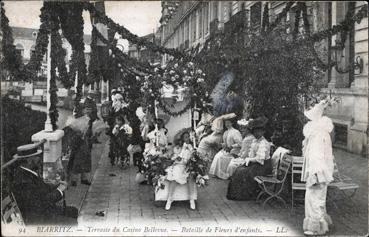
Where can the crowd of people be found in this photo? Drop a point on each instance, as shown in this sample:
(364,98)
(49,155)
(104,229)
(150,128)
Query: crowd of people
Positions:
(235,147)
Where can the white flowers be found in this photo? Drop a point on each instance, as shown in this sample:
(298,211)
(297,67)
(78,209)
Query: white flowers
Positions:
(127,129)
(200,80)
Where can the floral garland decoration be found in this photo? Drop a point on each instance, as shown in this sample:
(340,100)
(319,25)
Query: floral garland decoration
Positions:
(154,167)
(126,34)
(12,61)
(70,13)
(197,168)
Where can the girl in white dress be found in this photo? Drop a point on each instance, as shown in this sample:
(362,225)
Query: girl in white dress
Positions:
(176,173)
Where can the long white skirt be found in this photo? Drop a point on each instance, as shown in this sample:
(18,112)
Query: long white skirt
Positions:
(220,164)
(235,162)
(316,218)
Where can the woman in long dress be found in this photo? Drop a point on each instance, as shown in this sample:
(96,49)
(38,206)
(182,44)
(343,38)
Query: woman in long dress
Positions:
(210,144)
(230,148)
(176,173)
(317,170)
(245,147)
(242,185)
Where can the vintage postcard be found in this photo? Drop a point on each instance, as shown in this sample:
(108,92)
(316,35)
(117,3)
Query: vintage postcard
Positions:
(184,118)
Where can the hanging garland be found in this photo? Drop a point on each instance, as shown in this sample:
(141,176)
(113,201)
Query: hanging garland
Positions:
(126,34)
(70,14)
(12,60)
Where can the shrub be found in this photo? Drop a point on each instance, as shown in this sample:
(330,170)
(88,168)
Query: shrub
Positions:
(19,124)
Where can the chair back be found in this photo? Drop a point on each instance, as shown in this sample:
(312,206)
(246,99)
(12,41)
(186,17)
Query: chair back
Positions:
(297,163)
(10,212)
(284,166)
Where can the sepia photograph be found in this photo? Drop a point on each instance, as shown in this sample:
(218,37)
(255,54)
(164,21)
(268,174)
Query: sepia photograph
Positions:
(184,118)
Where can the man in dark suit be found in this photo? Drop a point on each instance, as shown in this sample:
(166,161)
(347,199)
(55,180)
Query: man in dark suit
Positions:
(39,201)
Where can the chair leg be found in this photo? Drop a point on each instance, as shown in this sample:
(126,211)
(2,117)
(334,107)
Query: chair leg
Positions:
(292,202)
(260,195)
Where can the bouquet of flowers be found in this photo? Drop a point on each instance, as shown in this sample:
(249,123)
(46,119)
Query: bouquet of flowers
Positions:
(154,167)
(197,168)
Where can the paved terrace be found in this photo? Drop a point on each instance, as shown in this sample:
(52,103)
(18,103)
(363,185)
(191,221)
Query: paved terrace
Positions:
(131,207)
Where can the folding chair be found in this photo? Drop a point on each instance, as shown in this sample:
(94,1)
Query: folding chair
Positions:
(10,212)
(297,184)
(273,186)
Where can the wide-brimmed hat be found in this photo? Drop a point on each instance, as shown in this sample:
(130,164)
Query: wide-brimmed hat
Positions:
(316,112)
(258,123)
(244,123)
(179,134)
(29,150)
(218,123)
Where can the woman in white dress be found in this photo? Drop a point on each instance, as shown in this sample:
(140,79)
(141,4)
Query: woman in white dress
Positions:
(317,169)
(176,173)
(230,148)
(210,144)
(245,147)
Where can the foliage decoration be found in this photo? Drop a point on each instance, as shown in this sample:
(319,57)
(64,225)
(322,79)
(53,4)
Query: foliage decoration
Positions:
(197,168)
(12,60)
(126,34)
(70,14)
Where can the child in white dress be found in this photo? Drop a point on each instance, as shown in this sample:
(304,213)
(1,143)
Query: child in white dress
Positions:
(176,173)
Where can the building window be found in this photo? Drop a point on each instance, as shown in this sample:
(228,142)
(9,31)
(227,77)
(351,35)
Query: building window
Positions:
(186,30)
(200,21)
(32,51)
(206,17)
(215,9)
(340,135)
(255,14)
(193,27)
(234,7)
(19,49)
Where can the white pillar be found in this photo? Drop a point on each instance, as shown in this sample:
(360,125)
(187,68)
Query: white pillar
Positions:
(53,147)
(48,125)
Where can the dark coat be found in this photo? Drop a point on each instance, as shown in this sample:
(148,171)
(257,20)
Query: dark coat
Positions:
(80,157)
(40,202)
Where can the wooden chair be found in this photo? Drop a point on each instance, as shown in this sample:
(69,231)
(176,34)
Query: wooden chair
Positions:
(297,184)
(342,184)
(10,213)
(273,185)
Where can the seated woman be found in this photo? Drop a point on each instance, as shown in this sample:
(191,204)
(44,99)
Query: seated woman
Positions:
(245,147)
(210,144)
(176,173)
(230,148)
(242,185)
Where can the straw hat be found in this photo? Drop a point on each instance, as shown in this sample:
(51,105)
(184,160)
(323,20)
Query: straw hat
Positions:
(29,150)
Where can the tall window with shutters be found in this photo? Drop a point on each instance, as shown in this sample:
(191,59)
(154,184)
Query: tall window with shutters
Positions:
(206,17)
(200,21)
(255,15)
